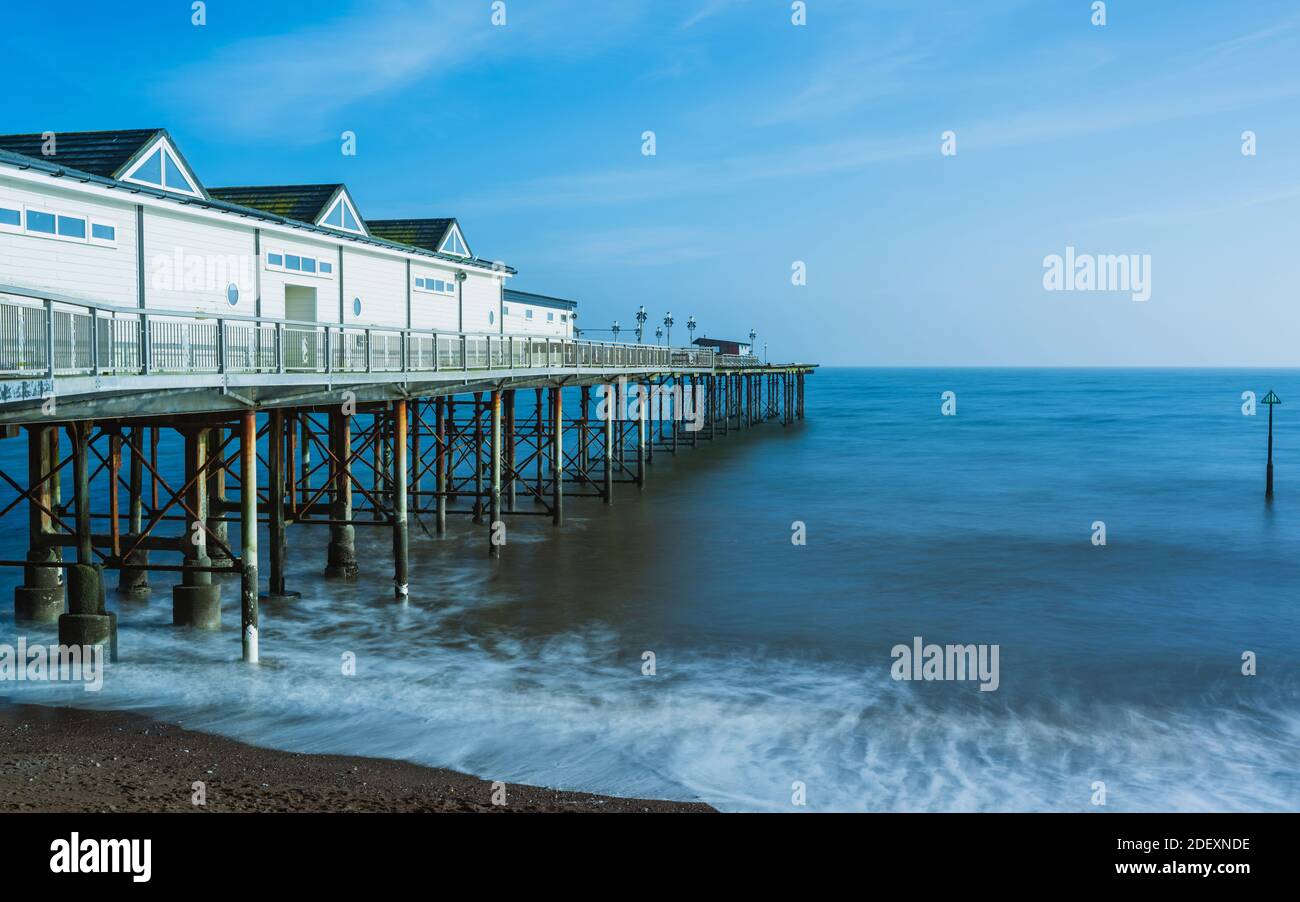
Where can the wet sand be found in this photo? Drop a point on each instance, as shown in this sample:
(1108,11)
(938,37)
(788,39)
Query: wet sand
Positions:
(63,759)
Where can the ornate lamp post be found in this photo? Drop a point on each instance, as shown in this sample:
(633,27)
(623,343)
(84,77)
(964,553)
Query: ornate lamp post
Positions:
(690,327)
(753,333)
(641,317)
(615,329)
(659,335)
(573,318)
(668,321)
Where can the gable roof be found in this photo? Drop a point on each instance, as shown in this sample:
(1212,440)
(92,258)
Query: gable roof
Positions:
(105,153)
(425,233)
(540,300)
(304,203)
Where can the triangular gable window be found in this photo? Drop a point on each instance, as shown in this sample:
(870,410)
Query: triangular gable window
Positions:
(162,169)
(343,216)
(454,243)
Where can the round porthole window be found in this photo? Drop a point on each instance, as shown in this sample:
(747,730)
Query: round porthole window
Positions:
(356,306)
(232,294)
(492,317)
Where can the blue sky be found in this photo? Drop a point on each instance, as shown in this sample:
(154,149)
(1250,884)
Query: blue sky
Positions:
(775,144)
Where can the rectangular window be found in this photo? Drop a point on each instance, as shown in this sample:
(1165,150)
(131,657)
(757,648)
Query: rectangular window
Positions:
(326,268)
(505,311)
(528,314)
(550,317)
(10,219)
(72,227)
(292,262)
(275,259)
(101,232)
(438,284)
(419,283)
(564,317)
(308,264)
(41,223)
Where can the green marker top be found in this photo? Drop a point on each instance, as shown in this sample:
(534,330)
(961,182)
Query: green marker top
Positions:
(1270,399)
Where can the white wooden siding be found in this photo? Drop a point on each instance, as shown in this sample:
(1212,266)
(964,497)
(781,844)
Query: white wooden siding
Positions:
(517,321)
(481,296)
(189,263)
(380,283)
(95,272)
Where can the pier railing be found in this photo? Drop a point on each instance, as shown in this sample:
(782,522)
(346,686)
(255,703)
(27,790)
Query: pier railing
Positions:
(50,336)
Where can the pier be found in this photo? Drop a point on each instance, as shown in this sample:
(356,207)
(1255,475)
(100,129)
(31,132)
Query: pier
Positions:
(352,427)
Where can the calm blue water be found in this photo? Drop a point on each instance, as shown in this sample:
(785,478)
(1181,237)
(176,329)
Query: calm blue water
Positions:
(1118,663)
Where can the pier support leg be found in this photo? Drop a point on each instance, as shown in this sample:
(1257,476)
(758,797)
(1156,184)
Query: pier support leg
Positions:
(508,399)
(216,516)
(584,437)
(415,466)
(641,421)
(248,534)
(440,463)
(697,410)
(610,413)
(539,435)
(652,401)
(557,456)
(401,539)
(277,455)
(494,497)
(88,621)
(342,553)
(679,407)
(40,597)
(196,601)
(478,457)
(135,583)
(306,460)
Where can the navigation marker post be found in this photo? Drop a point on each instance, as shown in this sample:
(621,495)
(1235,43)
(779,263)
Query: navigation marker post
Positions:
(1270,399)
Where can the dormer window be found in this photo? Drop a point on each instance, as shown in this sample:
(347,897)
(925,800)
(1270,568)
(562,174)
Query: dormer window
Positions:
(162,168)
(343,216)
(454,243)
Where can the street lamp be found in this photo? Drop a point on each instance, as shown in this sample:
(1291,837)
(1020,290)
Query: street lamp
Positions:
(615,329)
(690,327)
(668,321)
(752,335)
(573,319)
(641,317)
(659,335)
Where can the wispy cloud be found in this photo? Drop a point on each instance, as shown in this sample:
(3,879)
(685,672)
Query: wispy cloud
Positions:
(637,246)
(284,84)
(845,81)
(278,83)
(708,9)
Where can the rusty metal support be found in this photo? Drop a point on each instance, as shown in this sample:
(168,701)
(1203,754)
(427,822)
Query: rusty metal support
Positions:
(248,535)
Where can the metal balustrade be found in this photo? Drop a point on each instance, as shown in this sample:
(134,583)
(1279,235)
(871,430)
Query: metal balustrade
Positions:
(55,336)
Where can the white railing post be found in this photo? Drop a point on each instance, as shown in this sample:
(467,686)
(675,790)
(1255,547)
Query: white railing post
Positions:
(94,342)
(49,340)
(221,345)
